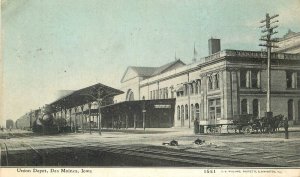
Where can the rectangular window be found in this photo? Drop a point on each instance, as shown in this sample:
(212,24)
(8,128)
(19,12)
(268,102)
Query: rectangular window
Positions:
(150,95)
(243,78)
(218,101)
(218,108)
(212,113)
(254,79)
(214,108)
(186,89)
(217,81)
(218,112)
(249,78)
(289,79)
(210,83)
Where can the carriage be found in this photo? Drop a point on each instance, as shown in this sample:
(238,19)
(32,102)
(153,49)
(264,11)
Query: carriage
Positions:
(248,124)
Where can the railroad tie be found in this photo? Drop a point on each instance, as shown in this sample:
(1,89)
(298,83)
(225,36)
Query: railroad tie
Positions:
(290,161)
(269,157)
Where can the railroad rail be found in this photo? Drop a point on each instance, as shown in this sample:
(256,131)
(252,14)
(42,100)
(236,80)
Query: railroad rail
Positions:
(6,155)
(190,159)
(37,158)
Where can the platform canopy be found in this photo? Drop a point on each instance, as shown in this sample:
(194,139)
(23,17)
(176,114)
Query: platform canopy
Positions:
(84,96)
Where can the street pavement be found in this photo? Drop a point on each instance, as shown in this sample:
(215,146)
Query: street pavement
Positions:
(262,148)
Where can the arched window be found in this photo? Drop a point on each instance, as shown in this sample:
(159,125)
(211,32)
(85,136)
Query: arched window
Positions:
(178,112)
(130,95)
(186,111)
(192,88)
(196,87)
(182,112)
(199,86)
(244,106)
(185,92)
(197,111)
(192,112)
(143,98)
(290,109)
(255,108)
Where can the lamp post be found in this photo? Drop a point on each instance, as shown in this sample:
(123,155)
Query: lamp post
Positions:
(144,116)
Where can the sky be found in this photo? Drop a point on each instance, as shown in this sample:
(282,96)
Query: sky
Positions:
(50,45)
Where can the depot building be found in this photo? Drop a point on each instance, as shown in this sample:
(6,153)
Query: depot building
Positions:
(220,87)
(214,90)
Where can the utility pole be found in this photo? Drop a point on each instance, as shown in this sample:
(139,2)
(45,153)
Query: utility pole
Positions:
(30,119)
(268,31)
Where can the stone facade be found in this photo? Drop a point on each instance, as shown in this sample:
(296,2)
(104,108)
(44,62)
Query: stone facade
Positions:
(219,88)
(289,43)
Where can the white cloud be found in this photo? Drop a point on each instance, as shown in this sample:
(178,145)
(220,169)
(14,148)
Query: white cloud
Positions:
(289,15)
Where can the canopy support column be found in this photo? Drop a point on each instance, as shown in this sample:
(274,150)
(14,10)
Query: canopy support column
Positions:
(126,121)
(90,105)
(82,126)
(134,121)
(99,100)
(71,127)
(75,121)
(65,110)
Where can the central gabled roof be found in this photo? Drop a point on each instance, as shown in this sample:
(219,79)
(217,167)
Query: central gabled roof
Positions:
(144,71)
(150,71)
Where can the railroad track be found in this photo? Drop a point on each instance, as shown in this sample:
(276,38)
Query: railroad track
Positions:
(173,155)
(5,162)
(190,159)
(140,151)
(31,154)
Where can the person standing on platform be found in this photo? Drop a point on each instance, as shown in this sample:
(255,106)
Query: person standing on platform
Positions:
(286,128)
(196,126)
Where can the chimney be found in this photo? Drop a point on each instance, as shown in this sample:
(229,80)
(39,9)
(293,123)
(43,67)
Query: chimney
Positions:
(214,46)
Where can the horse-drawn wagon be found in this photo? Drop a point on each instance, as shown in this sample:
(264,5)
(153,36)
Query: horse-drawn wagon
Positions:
(248,124)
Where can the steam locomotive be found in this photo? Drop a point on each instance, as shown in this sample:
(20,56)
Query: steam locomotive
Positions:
(42,121)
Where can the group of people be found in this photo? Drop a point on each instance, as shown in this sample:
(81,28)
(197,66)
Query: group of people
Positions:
(118,124)
(2,129)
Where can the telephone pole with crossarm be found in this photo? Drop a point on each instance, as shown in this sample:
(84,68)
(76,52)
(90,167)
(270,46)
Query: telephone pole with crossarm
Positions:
(268,31)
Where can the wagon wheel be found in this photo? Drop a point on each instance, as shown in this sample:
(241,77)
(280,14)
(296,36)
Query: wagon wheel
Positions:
(247,129)
(231,129)
(209,130)
(255,128)
(217,129)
